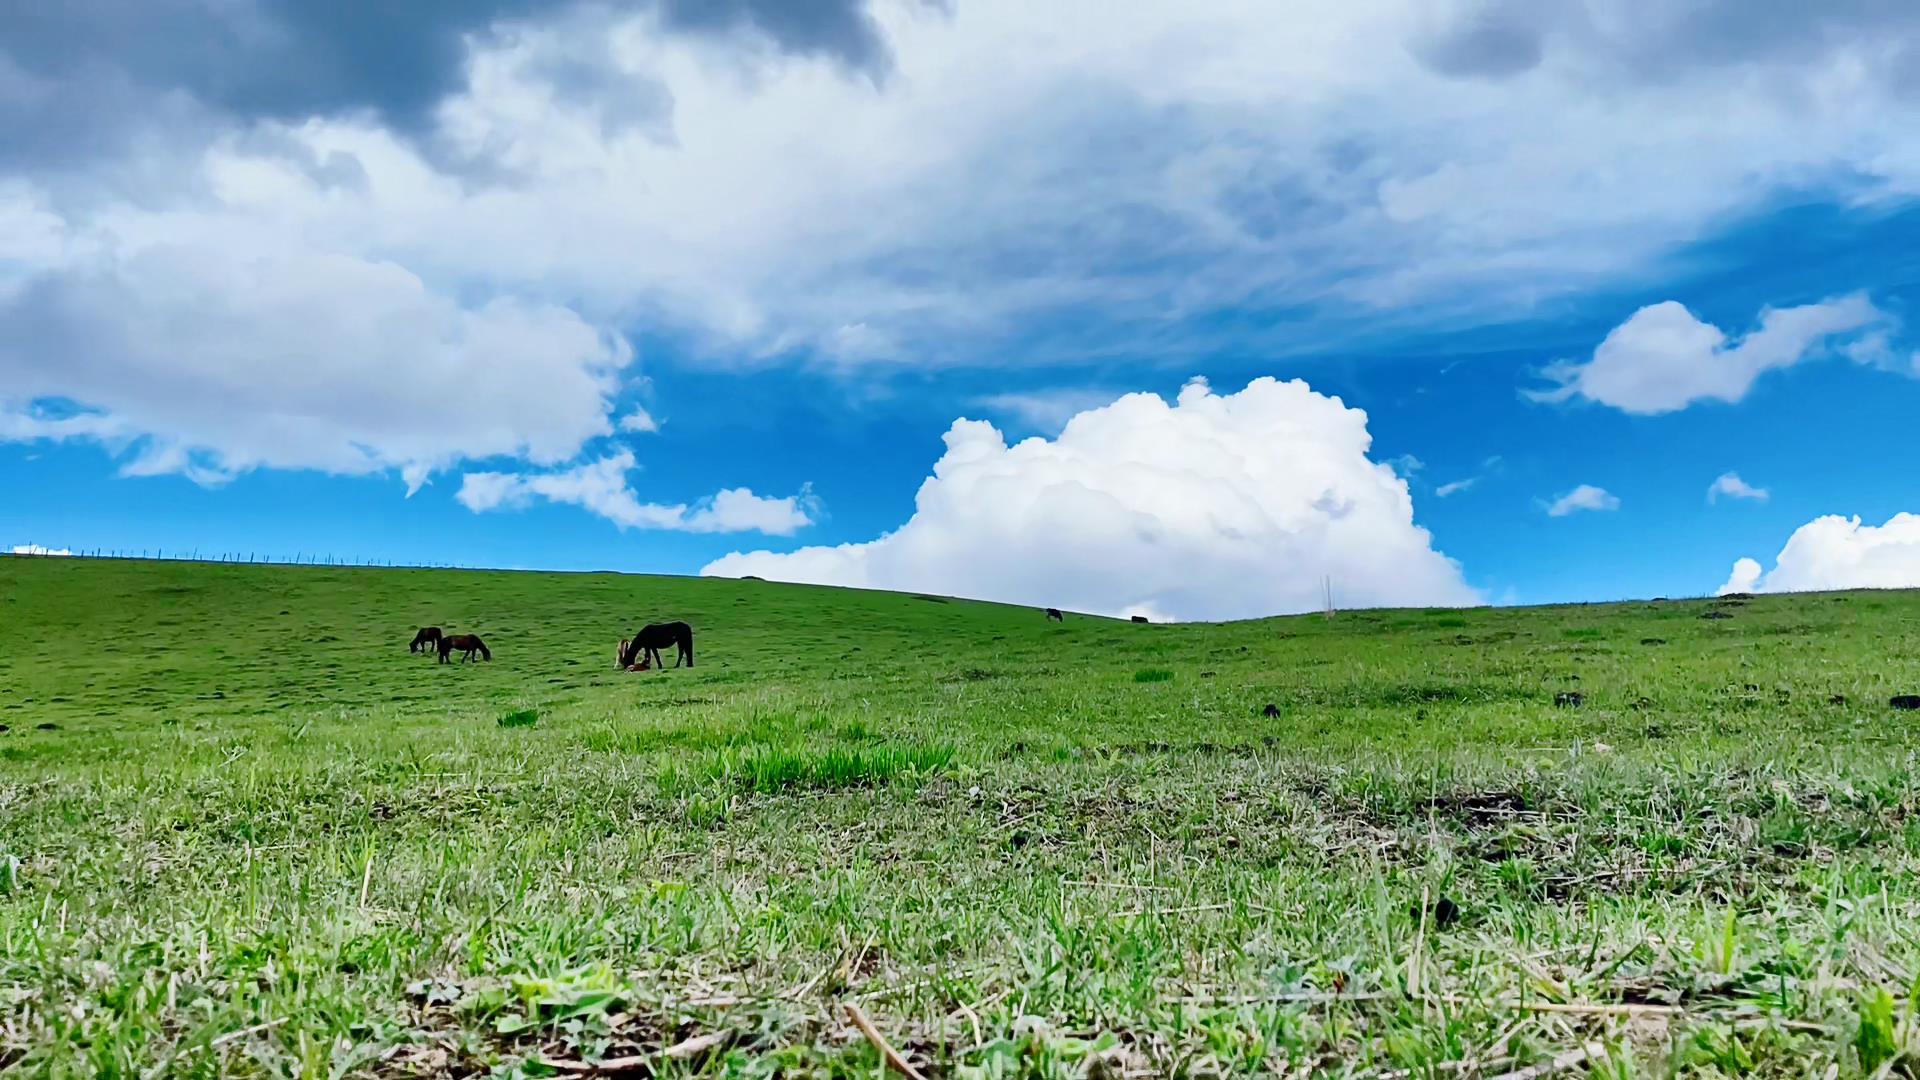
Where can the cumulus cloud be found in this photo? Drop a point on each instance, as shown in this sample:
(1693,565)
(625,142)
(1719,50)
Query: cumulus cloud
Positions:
(1663,358)
(36,549)
(1834,552)
(1729,485)
(601,487)
(639,420)
(512,183)
(1584,497)
(1212,507)
(243,354)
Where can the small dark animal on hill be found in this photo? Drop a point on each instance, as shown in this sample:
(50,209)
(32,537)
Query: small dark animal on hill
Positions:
(1905,701)
(466,644)
(1053,613)
(1271,712)
(652,638)
(1569,699)
(426,641)
(1139,618)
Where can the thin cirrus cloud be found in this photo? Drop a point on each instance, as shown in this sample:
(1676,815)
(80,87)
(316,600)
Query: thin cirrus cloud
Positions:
(1728,485)
(601,487)
(1835,552)
(1664,358)
(1213,506)
(1586,497)
(639,421)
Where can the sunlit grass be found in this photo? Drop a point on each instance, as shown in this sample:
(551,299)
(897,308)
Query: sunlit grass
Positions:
(269,842)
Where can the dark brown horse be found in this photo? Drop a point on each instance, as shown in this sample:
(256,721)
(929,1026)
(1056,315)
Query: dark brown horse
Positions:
(1053,615)
(426,641)
(463,643)
(1139,618)
(652,638)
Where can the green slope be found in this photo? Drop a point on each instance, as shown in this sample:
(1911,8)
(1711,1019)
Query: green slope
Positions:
(1007,838)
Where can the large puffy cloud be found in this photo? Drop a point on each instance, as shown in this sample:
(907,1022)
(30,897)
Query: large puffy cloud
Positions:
(224,358)
(601,487)
(883,182)
(1834,552)
(1216,506)
(1663,358)
(1026,158)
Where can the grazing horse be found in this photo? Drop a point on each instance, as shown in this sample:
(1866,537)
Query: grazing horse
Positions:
(1139,618)
(651,638)
(426,641)
(1053,614)
(464,643)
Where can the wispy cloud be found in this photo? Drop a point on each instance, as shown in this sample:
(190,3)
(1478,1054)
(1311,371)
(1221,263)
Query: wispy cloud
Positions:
(1584,497)
(1046,411)
(601,487)
(1729,485)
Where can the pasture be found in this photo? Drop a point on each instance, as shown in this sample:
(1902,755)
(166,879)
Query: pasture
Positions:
(243,832)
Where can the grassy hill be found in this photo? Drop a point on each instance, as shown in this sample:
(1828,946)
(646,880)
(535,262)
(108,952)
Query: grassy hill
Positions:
(244,832)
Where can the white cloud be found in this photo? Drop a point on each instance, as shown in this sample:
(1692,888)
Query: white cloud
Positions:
(639,421)
(1745,577)
(1584,497)
(235,354)
(1663,359)
(1406,465)
(1730,485)
(601,488)
(1454,487)
(1217,506)
(327,293)
(1836,552)
(36,549)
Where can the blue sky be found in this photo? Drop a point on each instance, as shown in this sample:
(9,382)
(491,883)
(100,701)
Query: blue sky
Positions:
(677,288)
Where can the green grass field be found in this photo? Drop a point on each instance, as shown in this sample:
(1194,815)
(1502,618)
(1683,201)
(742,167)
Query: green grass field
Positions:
(244,833)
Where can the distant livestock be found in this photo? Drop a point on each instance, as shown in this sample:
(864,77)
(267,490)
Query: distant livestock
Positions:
(1053,614)
(1139,618)
(426,641)
(466,644)
(646,645)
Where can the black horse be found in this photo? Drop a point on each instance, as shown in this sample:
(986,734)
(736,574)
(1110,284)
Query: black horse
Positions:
(426,641)
(463,643)
(652,638)
(1139,618)
(1053,615)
